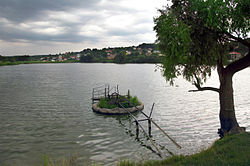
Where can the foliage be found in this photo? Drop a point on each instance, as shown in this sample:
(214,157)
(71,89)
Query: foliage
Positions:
(194,35)
(104,104)
(134,101)
(111,103)
(6,63)
(231,150)
(144,53)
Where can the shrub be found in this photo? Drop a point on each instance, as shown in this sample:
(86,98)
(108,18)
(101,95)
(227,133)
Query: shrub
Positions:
(123,100)
(104,104)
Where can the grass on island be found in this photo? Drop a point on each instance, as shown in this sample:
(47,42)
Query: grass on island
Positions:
(113,102)
(230,151)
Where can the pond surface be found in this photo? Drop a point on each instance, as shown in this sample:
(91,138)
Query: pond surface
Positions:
(45,109)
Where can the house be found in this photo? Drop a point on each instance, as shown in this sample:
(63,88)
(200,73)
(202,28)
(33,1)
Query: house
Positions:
(149,53)
(128,52)
(78,57)
(235,55)
(111,56)
(108,51)
(60,58)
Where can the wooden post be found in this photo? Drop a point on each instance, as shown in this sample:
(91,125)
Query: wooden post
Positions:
(93,95)
(108,92)
(137,129)
(128,98)
(151,110)
(149,127)
(105,93)
(159,127)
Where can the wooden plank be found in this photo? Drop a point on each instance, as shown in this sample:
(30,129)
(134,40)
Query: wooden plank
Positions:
(159,126)
(137,123)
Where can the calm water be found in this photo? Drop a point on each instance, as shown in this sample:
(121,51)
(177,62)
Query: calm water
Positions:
(45,109)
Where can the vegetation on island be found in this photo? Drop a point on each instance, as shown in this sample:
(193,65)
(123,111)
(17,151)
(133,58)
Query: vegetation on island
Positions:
(119,102)
(195,37)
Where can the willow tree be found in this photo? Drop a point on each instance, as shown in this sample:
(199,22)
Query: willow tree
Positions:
(195,36)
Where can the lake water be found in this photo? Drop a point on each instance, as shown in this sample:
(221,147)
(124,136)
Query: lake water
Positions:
(45,109)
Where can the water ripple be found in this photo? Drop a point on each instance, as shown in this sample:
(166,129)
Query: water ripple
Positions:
(46,109)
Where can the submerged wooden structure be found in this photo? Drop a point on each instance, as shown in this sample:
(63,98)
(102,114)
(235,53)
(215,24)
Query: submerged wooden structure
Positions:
(105,90)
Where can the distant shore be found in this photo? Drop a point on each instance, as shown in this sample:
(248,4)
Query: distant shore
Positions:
(69,61)
(8,63)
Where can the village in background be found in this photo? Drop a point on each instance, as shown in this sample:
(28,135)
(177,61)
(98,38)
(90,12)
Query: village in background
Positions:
(143,53)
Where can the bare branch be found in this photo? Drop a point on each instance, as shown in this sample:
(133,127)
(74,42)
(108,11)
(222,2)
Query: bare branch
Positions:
(243,41)
(199,88)
(205,88)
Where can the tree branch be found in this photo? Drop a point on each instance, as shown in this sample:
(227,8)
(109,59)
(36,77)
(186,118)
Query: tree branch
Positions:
(206,88)
(243,41)
(199,88)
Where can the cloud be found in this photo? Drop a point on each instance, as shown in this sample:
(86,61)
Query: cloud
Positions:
(19,11)
(81,23)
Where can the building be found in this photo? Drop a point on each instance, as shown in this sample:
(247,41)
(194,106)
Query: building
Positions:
(235,55)
(60,58)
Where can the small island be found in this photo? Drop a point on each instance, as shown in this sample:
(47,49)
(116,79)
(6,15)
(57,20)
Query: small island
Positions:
(116,104)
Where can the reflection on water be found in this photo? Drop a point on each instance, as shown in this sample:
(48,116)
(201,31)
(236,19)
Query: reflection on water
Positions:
(46,109)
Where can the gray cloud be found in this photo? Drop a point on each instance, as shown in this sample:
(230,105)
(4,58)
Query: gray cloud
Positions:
(85,23)
(20,10)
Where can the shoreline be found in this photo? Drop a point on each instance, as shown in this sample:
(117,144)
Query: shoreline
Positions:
(39,62)
(231,150)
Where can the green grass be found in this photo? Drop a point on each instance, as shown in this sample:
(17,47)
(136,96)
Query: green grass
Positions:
(230,151)
(6,63)
(112,103)
(104,104)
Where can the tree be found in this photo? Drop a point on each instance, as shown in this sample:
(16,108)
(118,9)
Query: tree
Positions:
(194,36)
(86,58)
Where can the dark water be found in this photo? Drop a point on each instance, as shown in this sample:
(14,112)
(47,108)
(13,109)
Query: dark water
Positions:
(45,109)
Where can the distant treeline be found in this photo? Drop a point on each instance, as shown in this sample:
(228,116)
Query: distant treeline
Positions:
(15,58)
(144,53)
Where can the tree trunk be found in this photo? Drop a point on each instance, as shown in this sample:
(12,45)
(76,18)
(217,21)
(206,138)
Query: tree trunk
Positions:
(227,116)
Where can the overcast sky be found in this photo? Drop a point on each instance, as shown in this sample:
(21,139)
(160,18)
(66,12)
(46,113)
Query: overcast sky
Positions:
(55,26)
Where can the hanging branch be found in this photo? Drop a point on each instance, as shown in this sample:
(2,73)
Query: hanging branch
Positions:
(199,88)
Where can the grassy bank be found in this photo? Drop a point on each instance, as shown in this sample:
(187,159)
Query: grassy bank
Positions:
(229,151)
(6,63)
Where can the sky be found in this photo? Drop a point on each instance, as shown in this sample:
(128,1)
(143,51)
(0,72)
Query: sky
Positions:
(36,27)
